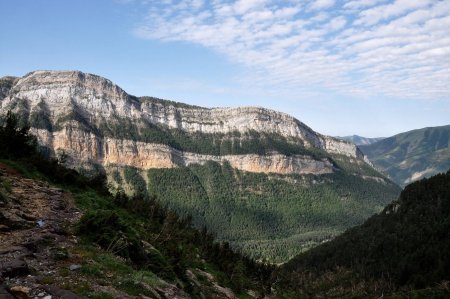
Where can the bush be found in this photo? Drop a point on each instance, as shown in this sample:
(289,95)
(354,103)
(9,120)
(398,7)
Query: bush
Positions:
(111,232)
(16,142)
(116,234)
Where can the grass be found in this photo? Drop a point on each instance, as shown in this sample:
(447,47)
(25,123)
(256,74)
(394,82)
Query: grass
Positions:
(7,185)
(101,296)
(23,170)
(108,269)
(3,197)
(88,199)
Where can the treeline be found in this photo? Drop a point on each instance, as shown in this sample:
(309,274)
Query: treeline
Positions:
(407,245)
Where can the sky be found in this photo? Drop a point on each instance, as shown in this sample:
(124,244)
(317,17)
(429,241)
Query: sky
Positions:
(367,67)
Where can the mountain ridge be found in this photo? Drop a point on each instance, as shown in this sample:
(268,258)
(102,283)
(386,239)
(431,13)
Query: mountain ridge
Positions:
(360,140)
(258,178)
(412,155)
(102,100)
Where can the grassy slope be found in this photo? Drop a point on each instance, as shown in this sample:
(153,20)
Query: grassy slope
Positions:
(412,155)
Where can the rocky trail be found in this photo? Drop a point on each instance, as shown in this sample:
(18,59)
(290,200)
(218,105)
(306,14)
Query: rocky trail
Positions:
(40,256)
(35,221)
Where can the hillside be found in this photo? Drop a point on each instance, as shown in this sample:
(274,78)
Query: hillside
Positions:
(258,178)
(403,248)
(63,235)
(412,155)
(359,140)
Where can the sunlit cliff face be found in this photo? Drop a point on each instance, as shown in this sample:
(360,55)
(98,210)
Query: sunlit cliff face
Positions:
(62,95)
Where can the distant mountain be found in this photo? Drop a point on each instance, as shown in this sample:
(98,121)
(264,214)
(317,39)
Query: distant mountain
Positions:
(412,155)
(359,140)
(259,179)
(404,247)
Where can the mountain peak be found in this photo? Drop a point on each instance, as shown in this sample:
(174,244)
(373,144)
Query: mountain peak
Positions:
(97,100)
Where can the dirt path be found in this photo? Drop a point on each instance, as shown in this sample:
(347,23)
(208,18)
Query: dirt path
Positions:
(34,235)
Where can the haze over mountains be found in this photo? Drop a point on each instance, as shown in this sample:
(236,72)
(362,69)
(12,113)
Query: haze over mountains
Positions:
(412,155)
(260,179)
(359,140)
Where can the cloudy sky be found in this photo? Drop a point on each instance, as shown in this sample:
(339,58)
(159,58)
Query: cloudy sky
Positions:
(367,67)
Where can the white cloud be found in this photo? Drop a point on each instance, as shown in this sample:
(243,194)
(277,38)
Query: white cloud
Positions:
(397,48)
(358,4)
(376,14)
(321,4)
(243,6)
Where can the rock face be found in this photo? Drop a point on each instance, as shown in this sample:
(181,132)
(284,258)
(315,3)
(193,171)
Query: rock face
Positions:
(73,112)
(86,146)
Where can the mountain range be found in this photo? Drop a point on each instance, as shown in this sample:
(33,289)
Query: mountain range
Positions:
(359,140)
(65,235)
(260,179)
(413,155)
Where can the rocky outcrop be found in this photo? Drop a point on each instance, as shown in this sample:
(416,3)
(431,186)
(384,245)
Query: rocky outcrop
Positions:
(84,146)
(66,95)
(337,146)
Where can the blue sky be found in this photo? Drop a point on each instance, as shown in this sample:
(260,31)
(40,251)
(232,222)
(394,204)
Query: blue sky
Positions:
(367,67)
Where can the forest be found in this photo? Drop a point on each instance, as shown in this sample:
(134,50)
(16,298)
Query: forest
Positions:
(268,216)
(402,249)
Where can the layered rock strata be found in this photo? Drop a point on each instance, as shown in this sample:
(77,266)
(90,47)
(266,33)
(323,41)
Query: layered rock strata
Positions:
(94,98)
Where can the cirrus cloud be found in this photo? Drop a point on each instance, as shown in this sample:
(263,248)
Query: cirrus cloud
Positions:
(395,48)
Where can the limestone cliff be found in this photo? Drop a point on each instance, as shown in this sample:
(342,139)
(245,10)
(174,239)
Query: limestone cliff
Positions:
(84,115)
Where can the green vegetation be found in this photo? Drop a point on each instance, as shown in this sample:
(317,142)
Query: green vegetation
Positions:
(133,242)
(270,217)
(20,107)
(134,178)
(403,248)
(155,240)
(115,174)
(412,155)
(16,142)
(40,117)
(151,101)
(233,143)
(137,244)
